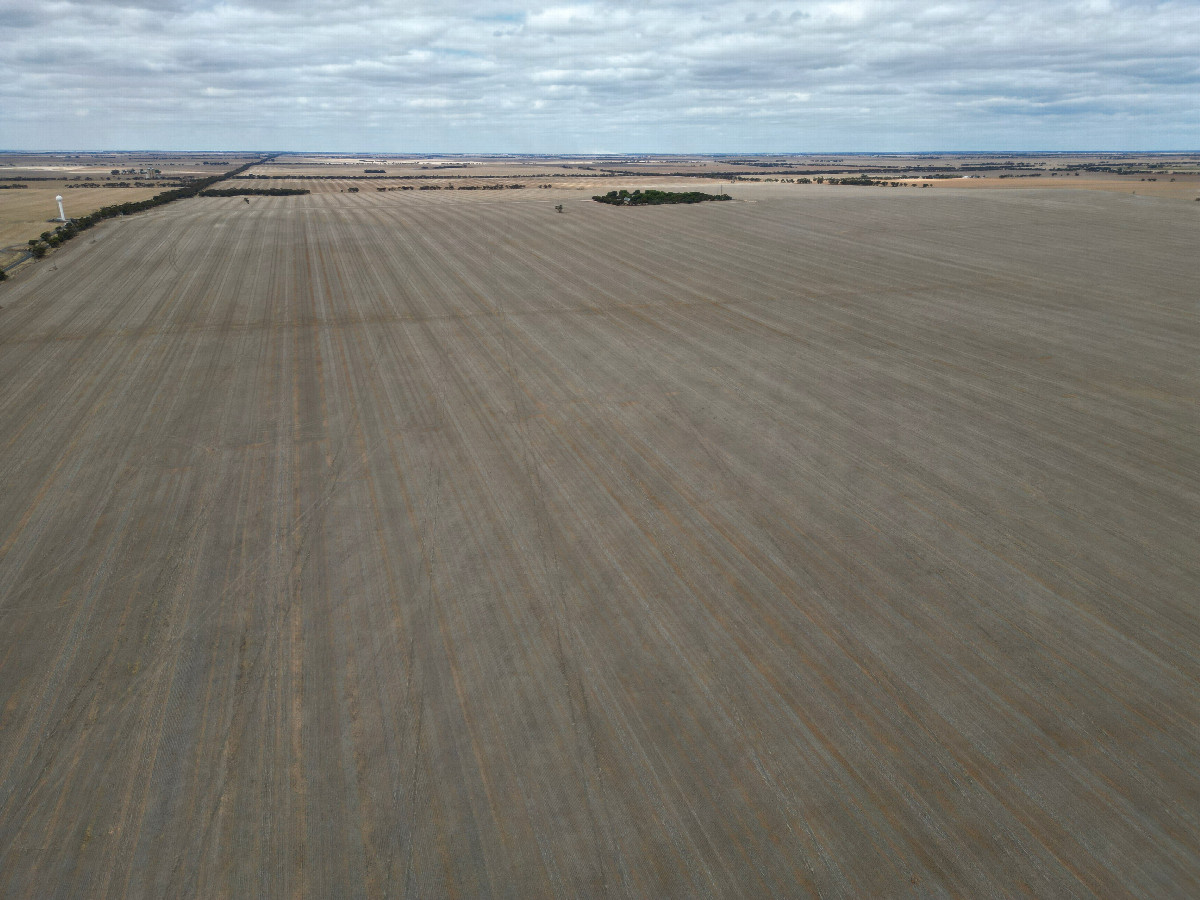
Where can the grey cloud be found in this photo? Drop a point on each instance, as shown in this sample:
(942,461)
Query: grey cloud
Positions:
(738,76)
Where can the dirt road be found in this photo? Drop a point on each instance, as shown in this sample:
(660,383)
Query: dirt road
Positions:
(442,545)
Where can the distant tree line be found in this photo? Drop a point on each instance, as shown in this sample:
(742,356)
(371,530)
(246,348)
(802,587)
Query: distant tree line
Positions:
(253,192)
(451,187)
(398,177)
(861,180)
(124,184)
(656,198)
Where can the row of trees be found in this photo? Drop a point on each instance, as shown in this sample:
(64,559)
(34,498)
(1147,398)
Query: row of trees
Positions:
(253,192)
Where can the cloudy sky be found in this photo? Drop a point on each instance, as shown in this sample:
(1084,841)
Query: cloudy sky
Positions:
(658,76)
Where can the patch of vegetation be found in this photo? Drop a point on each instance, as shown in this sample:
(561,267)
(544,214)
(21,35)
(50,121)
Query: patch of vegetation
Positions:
(253,192)
(656,198)
(862,180)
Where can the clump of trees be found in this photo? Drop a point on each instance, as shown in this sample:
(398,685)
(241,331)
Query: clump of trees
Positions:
(656,198)
(254,192)
(862,180)
(485,187)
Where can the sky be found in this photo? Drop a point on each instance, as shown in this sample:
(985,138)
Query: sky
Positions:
(658,76)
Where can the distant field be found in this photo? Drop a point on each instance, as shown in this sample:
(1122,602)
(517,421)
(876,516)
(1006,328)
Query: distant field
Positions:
(832,541)
(474,169)
(1184,187)
(336,184)
(1174,176)
(68,165)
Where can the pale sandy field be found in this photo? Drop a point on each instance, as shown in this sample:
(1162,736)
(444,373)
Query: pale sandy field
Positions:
(26,213)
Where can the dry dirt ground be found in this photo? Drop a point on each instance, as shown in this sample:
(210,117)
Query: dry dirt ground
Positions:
(835,542)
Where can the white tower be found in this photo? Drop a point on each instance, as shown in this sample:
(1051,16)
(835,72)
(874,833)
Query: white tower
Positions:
(62,217)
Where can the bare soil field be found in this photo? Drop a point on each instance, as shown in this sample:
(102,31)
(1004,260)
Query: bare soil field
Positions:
(833,542)
(1182,187)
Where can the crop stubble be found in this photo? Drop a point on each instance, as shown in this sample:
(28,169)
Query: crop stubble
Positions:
(440,545)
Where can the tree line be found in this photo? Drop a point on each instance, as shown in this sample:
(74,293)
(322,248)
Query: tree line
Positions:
(253,192)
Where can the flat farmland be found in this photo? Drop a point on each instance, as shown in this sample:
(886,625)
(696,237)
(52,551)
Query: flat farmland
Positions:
(28,212)
(833,542)
(1185,187)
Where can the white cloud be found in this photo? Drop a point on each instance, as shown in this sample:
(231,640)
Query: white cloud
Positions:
(847,74)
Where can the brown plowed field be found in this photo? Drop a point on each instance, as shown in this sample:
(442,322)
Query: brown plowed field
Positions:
(841,542)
